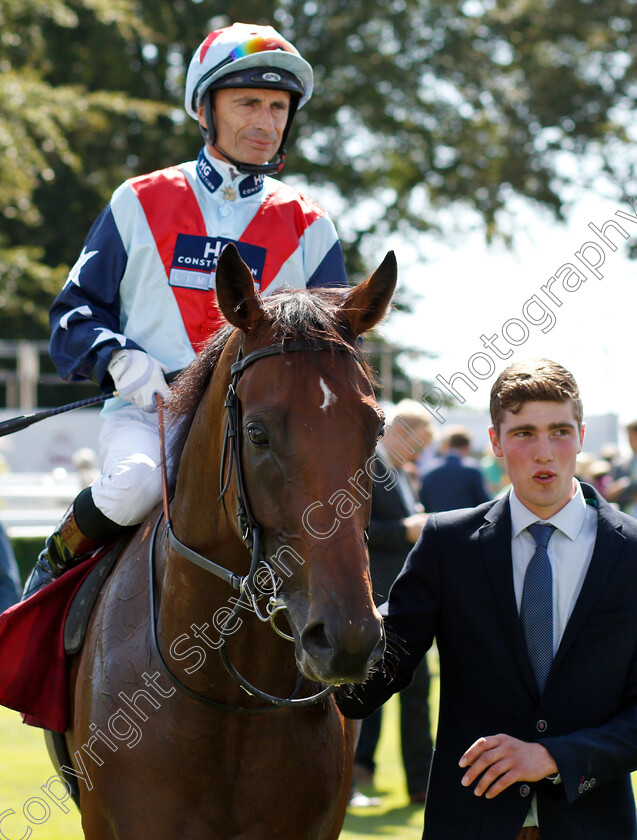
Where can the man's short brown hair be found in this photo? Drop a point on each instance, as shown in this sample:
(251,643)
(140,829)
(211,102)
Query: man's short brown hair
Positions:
(531,380)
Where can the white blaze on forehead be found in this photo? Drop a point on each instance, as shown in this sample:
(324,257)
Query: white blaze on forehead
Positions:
(328,396)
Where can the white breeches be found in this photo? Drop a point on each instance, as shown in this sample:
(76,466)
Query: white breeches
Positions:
(129,486)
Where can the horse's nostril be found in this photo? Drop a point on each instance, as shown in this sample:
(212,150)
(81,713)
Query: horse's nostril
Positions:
(314,640)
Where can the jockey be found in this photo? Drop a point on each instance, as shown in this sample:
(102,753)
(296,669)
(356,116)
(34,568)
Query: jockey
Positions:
(140,301)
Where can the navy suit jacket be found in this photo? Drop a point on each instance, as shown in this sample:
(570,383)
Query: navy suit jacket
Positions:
(388,543)
(457,586)
(451,482)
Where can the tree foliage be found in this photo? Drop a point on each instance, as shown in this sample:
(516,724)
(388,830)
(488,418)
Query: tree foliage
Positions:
(429,105)
(420,107)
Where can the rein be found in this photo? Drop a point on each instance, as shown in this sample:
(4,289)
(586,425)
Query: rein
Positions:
(251,535)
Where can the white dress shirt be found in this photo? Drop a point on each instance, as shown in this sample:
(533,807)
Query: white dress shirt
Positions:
(570,550)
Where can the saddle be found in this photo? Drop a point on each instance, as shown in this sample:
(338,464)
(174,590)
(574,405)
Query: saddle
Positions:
(81,607)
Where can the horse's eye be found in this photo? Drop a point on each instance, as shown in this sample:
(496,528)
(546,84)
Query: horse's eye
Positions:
(381,431)
(257,436)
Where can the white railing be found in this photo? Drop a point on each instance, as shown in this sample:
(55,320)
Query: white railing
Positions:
(31,504)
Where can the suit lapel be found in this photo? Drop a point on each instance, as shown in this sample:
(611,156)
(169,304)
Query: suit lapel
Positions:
(609,544)
(495,545)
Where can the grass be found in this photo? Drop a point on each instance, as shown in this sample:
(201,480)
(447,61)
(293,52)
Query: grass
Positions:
(25,768)
(395,817)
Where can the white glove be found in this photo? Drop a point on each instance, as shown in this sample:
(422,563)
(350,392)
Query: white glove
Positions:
(138,377)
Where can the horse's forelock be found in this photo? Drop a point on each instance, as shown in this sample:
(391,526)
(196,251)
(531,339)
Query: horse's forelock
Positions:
(311,316)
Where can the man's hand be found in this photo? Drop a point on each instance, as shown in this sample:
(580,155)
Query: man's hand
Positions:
(500,761)
(138,377)
(414,525)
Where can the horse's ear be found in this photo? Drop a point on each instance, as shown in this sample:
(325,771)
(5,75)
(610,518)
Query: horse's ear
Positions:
(238,300)
(367,303)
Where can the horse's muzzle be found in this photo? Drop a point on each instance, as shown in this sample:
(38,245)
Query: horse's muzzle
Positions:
(342,654)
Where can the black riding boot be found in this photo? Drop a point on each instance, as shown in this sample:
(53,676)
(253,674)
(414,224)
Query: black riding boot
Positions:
(69,544)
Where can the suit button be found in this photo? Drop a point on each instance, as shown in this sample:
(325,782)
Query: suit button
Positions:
(593,782)
(525,790)
(541,726)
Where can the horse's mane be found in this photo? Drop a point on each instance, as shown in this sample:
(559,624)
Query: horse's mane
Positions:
(300,315)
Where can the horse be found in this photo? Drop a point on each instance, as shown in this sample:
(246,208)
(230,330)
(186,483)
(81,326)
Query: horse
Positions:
(201,700)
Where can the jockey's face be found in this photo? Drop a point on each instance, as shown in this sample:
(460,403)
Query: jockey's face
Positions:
(249,123)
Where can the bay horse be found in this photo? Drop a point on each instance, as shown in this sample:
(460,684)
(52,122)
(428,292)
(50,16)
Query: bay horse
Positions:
(190,717)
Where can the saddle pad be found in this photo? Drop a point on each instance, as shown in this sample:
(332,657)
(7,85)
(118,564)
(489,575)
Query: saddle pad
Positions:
(79,613)
(33,664)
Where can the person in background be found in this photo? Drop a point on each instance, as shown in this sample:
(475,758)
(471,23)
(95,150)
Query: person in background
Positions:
(496,481)
(600,475)
(453,479)
(396,522)
(84,463)
(622,490)
(10,586)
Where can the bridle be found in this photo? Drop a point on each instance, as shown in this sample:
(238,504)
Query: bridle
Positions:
(251,535)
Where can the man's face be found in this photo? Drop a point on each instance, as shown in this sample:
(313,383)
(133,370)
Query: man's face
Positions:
(539,446)
(249,122)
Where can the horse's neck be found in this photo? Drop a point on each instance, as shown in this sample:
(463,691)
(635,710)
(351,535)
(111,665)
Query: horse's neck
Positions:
(195,603)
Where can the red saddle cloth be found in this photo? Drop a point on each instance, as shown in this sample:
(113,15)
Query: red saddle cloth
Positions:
(33,664)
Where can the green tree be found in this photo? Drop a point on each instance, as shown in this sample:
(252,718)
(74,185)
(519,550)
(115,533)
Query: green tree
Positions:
(48,112)
(429,105)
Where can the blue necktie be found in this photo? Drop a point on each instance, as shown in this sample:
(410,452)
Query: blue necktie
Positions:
(536,610)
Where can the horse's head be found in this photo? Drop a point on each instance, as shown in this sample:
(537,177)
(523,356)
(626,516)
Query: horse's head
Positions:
(309,426)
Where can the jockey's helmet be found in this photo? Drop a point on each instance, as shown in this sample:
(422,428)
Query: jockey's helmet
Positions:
(242,56)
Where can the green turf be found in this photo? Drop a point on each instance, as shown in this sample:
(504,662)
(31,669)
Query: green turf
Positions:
(25,768)
(395,817)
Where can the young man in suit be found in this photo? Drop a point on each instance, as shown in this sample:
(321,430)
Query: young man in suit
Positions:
(536,628)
